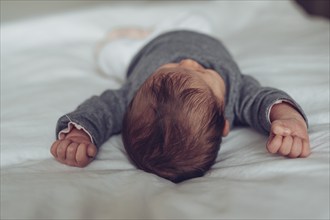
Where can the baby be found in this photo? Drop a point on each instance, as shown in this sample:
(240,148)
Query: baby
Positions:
(182,95)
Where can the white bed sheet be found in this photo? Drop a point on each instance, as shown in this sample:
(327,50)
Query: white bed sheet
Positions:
(47,69)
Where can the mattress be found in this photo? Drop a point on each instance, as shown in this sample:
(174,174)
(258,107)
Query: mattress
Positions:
(48,68)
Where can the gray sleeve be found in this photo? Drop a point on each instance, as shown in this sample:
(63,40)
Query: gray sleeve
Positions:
(254,103)
(100,115)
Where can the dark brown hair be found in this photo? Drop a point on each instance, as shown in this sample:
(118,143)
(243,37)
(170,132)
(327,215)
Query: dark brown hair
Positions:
(173,129)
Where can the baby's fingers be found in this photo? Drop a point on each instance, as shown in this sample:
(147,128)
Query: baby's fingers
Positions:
(296,149)
(61,150)
(81,156)
(71,154)
(305,149)
(286,146)
(53,149)
(274,144)
(85,154)
(91,150)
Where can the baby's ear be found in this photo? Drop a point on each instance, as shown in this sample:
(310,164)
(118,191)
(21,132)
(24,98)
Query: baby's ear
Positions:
(226,129)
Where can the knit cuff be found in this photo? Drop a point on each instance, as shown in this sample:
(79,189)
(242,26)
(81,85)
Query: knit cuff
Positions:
(70,126)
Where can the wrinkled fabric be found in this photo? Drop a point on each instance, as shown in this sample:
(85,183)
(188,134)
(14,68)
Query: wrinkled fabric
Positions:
(48,68)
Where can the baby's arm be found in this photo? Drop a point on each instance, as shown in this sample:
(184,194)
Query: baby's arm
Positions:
(285,123)
(95,121)
(75,149)
(288,134)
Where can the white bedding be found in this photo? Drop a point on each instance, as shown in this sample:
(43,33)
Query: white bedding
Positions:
(47,69)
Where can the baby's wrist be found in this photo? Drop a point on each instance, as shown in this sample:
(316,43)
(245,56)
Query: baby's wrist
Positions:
(285,111)
(75,133)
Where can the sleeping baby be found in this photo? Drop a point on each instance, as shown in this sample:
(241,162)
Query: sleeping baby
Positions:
(183,94)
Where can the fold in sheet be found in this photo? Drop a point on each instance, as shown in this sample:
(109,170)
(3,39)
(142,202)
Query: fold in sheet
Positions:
(48,68)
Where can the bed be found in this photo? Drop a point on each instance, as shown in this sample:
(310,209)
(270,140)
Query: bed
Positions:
(48,68)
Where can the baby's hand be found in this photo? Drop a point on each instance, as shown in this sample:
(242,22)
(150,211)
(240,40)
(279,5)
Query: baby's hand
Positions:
(288,135)
(75,149)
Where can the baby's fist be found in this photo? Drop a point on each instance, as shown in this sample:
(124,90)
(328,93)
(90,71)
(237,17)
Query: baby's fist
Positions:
(289,137)
(75,149)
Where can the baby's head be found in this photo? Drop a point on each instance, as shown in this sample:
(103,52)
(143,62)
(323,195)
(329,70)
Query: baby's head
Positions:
(174,125)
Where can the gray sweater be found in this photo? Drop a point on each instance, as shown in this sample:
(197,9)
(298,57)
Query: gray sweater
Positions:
(247,103)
